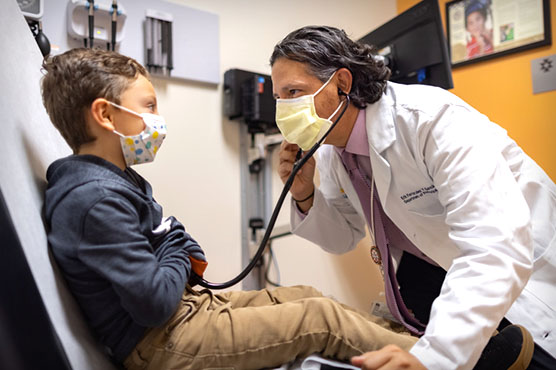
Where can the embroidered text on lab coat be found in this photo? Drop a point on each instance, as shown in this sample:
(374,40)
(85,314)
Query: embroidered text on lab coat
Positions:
(411,196)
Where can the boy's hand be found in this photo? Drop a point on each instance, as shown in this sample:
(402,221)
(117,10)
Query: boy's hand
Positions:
(194,279)
(388,358)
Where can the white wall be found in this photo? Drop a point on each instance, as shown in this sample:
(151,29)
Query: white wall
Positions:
(29,144)
(196,174)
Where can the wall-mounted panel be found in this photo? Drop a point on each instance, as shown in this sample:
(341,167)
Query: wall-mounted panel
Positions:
(195,41)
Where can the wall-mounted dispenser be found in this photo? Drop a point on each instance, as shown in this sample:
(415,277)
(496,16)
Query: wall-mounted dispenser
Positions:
(158,42)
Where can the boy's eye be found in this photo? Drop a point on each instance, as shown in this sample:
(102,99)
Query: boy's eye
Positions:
(293,92)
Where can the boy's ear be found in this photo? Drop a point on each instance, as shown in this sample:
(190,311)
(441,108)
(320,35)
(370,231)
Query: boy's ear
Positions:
(101,111)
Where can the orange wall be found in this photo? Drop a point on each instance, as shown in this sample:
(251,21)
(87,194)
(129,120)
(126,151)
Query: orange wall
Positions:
(502,89)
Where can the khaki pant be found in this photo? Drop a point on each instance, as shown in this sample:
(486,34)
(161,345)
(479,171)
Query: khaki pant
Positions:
(257,329)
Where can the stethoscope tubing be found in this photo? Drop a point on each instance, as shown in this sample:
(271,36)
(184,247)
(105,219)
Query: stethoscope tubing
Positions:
(287,185)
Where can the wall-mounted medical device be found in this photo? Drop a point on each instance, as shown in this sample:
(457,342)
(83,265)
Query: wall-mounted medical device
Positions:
(32,11)
(248,95)
(248,98)
(99,22)
(158,42)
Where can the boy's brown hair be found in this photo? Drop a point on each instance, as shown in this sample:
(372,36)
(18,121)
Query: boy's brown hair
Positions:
(74,79)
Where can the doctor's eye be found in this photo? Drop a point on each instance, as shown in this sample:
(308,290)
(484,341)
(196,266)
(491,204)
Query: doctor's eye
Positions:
(293,92)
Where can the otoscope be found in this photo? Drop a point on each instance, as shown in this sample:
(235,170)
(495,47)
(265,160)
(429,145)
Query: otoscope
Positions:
(91,24)
(114,25)
(296,167)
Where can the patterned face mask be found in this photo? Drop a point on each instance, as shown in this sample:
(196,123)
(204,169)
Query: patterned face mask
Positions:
(142,148)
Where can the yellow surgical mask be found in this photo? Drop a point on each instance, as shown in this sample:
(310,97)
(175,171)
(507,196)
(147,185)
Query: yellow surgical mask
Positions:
(298,121)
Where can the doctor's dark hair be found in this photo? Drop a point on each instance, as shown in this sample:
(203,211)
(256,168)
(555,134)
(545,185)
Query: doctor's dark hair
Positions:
(326,49)
(74,79)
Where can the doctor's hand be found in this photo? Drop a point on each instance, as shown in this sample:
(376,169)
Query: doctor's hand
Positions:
(303,185)
(388,358)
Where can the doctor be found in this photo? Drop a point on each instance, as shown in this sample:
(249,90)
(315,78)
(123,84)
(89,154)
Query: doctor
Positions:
(435,181)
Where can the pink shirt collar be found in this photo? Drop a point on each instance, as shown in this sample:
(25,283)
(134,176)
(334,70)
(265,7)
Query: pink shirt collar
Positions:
(358,143)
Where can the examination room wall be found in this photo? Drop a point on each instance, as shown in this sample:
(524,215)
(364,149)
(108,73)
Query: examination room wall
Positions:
(502,89)
(196,176)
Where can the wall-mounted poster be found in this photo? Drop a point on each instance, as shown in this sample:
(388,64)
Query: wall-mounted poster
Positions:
(484,29)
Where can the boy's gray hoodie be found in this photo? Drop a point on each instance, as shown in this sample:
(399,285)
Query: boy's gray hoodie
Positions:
(125,265)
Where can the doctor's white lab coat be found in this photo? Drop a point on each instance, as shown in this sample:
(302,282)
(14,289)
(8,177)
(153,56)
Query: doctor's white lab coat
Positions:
(468,197)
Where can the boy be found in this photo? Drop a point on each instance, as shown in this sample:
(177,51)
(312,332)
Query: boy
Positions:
(128,267)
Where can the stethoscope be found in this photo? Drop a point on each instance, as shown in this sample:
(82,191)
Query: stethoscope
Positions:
(287,185)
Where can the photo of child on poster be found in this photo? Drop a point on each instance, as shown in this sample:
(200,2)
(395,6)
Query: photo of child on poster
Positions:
(478,24)
(479,30)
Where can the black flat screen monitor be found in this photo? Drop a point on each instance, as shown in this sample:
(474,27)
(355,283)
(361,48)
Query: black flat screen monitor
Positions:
(414,46)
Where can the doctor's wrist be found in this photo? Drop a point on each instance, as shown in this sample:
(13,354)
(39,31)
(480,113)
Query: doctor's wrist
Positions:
(304,199)
(306,202)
